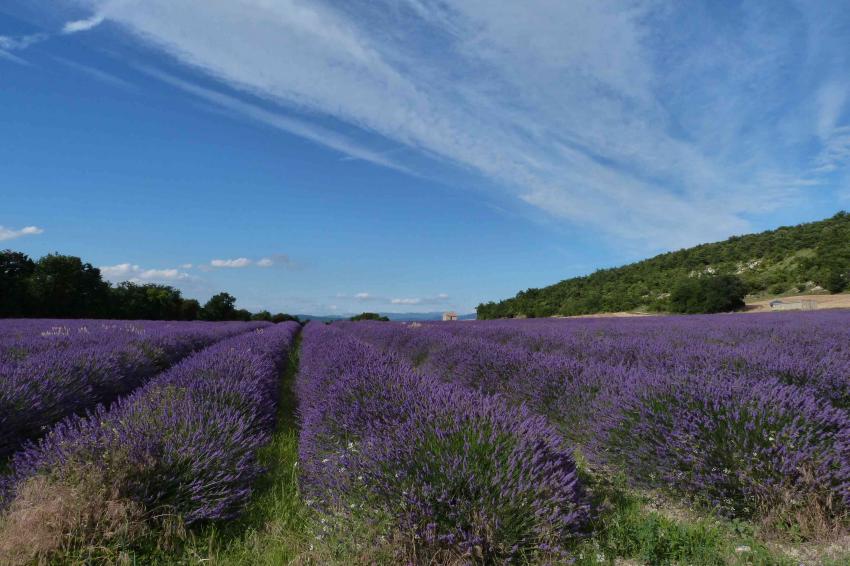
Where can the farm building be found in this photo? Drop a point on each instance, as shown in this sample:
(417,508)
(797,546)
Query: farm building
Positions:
(805,305)
(451,315)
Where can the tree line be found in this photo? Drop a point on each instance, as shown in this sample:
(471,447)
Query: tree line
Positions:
(63,286)
(788,260)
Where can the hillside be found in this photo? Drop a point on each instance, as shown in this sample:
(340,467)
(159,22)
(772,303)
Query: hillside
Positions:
(791,259)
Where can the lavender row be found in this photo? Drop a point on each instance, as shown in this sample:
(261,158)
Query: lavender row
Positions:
(810,349)
(63,370)
(746,443)
(184,444)
(463,472)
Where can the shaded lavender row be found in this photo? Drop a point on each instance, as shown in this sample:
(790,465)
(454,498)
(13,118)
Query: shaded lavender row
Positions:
(185,443)
(54,369)
(669,408)
(464,472)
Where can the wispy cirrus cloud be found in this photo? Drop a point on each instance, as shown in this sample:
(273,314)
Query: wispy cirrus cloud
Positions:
(279,121)
(98,74)
(647,121)
(12,234)
(9,43)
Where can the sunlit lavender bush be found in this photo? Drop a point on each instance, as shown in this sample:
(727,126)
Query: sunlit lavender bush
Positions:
(745,412)
(186,443)
(463,471)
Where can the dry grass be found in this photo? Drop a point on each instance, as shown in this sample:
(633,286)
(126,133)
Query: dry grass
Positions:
(50,520)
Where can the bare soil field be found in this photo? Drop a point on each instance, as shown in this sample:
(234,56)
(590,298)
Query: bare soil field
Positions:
(824,302)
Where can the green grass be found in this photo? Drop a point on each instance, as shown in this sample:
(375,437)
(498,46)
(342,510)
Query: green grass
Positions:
(273,529)
(627,529)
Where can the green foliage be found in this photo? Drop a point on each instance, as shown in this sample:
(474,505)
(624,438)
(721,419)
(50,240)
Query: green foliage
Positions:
(220,307)
(61,286)
(369,316)
(782,260)
(718,293)
(15,270)
(147,302)
(835,281)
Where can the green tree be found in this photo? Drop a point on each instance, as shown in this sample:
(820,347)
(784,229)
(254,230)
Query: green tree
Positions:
(16,268)
(719,293)
(835,281)
(369,316)
(241,314)
(190,309)
(146,302)
(220,307)
(63,286)
(262,315)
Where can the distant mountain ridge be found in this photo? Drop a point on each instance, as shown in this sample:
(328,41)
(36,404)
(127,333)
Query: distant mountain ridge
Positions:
(807,257)
(395,316)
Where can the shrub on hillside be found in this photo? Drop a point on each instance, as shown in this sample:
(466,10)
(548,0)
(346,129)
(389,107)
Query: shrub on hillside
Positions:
(836,281)
(696,295)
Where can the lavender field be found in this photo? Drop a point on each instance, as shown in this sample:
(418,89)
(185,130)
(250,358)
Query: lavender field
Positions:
(661,440)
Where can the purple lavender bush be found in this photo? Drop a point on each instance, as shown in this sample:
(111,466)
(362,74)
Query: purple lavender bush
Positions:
(744,447)
(464,472)
(184,444)
(743,412)
(54,369)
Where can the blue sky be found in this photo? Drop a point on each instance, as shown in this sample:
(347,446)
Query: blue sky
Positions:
(411,155)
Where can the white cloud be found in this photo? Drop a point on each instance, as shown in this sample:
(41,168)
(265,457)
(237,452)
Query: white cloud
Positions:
(136,274)
(98,74)
(363,297)
(13,58)
(14,43)
(432,300)
(645,120)
(11,234)
(232,263)
(279,121)
(265,262)
(21,42)
(82,25)
(186,266)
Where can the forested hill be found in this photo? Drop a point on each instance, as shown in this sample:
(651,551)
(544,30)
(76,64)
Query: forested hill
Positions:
(807,257)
